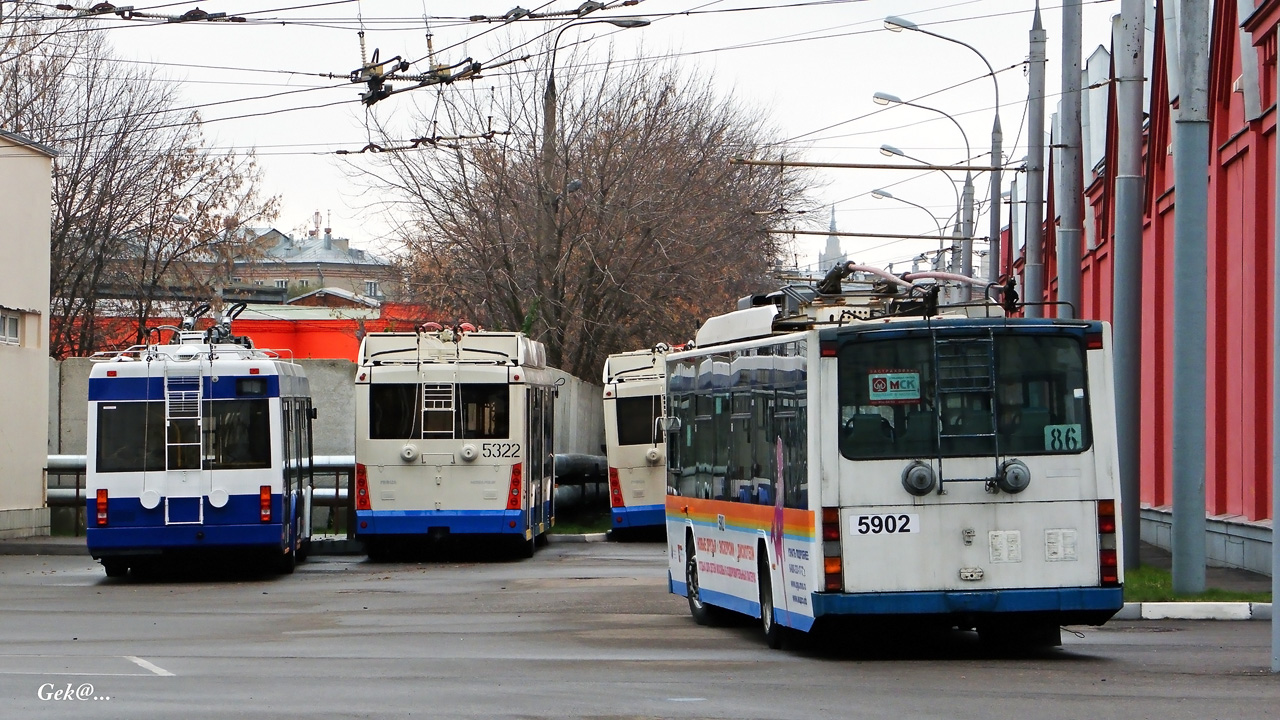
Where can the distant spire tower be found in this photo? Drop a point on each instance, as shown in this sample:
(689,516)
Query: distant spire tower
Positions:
(832,253)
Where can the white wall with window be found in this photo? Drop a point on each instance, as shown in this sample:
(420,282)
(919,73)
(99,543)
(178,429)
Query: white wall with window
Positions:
(24,335)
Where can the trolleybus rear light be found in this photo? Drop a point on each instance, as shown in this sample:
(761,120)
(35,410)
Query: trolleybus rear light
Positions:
(1106,516)
(827,349)
(517,479)
(362,488)
(1093,341)
(1108,567)
(264,503)
(254,371)
(615,488)
(102,507)
(833,571)
(1110,571)
(830,523)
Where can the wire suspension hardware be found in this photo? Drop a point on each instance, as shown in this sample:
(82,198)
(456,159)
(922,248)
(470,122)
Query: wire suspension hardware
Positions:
(127,12)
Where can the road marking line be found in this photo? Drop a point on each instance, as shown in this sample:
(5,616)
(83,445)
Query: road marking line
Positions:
(148,666)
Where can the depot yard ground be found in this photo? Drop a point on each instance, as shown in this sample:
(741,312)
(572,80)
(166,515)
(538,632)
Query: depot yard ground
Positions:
(580,630)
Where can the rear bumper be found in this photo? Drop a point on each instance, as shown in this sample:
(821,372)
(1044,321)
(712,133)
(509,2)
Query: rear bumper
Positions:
(638,516)
(141,541)
(1069,605)
(422,522)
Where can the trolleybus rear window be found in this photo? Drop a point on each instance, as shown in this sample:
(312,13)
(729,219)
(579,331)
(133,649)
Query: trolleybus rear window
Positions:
(963,396)
(476,411)
(636,416)
(130,437)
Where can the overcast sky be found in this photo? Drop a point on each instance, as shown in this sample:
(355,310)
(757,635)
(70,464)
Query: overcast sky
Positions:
(811,66)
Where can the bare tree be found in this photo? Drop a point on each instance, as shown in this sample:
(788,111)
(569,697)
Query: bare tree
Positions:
(137,201)
(652,228)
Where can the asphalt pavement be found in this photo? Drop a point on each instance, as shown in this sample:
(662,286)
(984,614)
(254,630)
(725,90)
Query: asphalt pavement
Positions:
(1221,578)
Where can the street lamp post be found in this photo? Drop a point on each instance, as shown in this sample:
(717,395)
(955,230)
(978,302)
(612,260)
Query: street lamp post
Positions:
(897,24)
(881,194)
(966,216)
(891,151)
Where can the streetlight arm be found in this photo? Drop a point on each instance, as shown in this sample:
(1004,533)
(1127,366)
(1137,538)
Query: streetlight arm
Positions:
(968,152)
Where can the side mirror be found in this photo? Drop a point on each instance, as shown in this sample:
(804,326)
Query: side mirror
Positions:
(314,413)
(669,424)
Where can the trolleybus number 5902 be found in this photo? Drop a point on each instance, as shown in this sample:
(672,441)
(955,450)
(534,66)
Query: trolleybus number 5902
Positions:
(888,524)
(501,450)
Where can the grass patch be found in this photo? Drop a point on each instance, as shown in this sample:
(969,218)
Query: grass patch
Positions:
(1148,584)
(581,523)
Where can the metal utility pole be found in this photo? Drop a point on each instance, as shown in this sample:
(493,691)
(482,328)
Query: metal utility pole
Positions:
(1033,268)
(1190,295)
(1127,38)
(997,153)
(1071,224)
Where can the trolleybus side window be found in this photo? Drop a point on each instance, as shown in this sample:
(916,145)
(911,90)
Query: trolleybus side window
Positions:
(130,437)
(909,397)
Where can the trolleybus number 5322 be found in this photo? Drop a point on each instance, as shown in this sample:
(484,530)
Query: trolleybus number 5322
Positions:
(889,524)
(501,450)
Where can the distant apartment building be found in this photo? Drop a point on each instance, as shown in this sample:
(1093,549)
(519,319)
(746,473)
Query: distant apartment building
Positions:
(24,334)
(316,261)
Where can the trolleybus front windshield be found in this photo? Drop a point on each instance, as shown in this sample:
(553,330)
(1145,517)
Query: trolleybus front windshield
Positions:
(910,397)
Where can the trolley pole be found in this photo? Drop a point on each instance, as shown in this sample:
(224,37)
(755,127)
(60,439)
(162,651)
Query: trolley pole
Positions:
(1033,267)
(1071,224)
(1190,295)
(1127,38)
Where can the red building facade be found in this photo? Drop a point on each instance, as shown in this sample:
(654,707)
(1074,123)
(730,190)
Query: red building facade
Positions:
(1241,227)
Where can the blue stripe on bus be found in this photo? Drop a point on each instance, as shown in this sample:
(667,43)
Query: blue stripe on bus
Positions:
(128,511)
(982,601)
(142,540)
(746,607)
(416,522)
(639,516)
(152,388)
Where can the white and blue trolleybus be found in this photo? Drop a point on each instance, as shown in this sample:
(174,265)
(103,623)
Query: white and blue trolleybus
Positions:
(867,454)
(200,446)
(454,438)
(635,386)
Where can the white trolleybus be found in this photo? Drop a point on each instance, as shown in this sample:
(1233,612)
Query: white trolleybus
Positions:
(870,455)
(454,437)
(635,386)
(199,446)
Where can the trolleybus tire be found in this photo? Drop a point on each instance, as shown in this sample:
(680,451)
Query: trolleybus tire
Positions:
(524,549)
(1012,635)
(286,562)
(703,614)
(774,634)
(542,540)
(304,549)
(115,568)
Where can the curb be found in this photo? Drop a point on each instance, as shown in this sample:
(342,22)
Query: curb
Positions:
(582,538)
(1194,611)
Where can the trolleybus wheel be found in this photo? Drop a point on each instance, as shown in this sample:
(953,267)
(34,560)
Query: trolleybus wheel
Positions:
(304,549)
(525,548)
(115,568)
(702,613)
(773,632)
(286,562)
